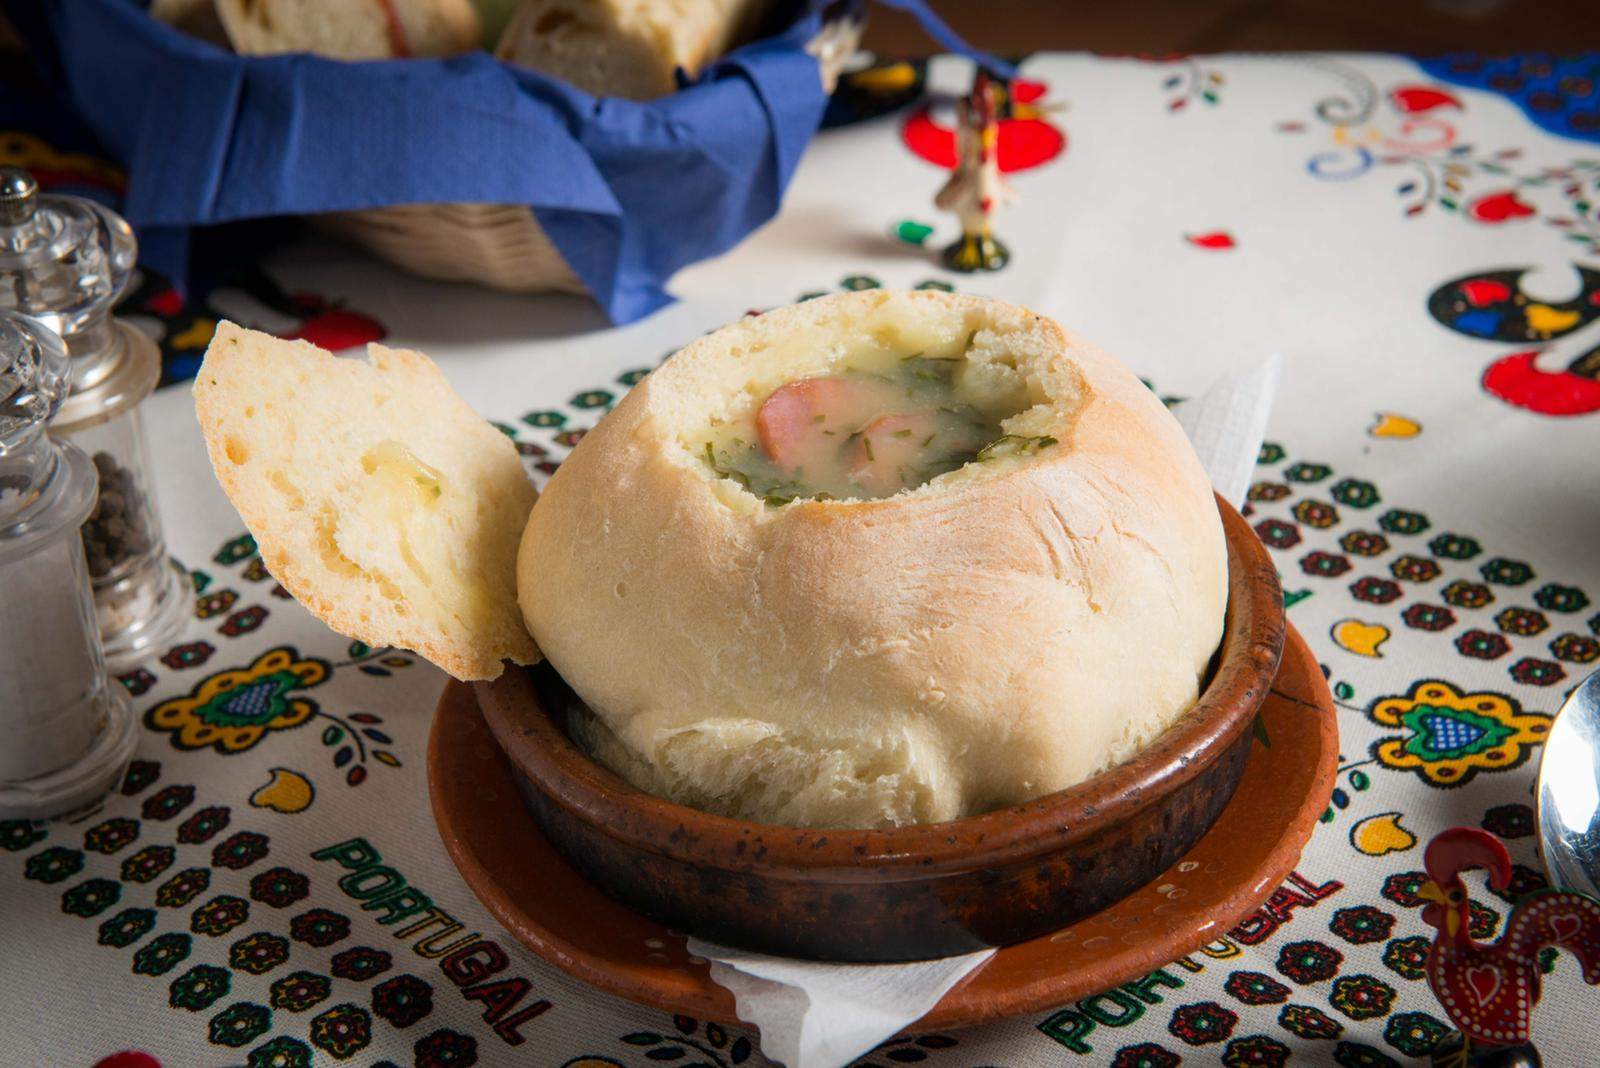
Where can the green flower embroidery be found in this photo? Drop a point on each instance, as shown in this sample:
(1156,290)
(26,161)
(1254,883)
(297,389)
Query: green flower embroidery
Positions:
(342,1031)
(127,927)
(200,987)
(232,710)
(91,898)
(240,1024)
(1448,733)
(160,955)
(281,1052)
(53,865)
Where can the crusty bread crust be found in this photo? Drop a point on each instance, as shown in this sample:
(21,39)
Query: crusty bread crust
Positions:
(1000,633)
(626,48)
(376,496)
(351,29)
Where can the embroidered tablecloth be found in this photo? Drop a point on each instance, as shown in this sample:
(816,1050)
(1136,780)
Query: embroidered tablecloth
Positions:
(1417,241)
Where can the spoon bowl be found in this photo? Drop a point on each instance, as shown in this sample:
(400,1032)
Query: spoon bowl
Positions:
(1569,792)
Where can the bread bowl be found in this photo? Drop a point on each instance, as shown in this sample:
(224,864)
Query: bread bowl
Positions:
(919,891)
(855,647)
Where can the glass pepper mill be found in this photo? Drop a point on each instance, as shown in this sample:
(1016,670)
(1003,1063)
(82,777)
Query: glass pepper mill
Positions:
(66,729)
(66,260)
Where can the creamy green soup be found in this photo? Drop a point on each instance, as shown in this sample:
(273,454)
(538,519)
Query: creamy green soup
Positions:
(872,427)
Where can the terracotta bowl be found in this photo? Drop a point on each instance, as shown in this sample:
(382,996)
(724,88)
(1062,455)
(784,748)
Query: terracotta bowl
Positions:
(905,893)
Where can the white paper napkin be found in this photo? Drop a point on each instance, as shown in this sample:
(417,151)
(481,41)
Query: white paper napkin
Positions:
(1227,422)
(815,1015)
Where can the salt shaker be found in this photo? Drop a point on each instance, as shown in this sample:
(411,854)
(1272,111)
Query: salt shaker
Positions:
(66,260)
(66,729)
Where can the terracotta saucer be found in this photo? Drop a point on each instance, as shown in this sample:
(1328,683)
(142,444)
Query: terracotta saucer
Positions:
(553,911)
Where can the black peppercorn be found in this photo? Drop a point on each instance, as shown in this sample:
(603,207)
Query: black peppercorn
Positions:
(118,529)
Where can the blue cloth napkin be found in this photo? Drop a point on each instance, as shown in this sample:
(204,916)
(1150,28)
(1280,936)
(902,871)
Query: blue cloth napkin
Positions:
(627,191)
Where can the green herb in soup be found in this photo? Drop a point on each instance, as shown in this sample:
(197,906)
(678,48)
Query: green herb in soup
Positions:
(869,430)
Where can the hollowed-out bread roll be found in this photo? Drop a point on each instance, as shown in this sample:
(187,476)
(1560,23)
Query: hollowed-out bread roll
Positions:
(1004,630)
(626,48)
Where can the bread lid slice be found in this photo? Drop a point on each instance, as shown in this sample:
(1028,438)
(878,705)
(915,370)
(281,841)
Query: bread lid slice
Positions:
(377,497)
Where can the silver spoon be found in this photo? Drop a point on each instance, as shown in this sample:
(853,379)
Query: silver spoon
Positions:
(1569,792)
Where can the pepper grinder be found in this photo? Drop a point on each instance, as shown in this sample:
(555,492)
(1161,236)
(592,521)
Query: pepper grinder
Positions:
(65,260)
(66,730)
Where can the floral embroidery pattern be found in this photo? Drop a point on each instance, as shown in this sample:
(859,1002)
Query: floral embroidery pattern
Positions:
(298,991)
(259,953)
(91,898)
(183,888)
(1362,997)
(204,825)
(1407,957)
(279,887)
(281,1052)
(219,915)
(199,988)
(1309,962)
(1202,1023)
(233,710)
(126,927)
(319,927)
(111,836)
(1361,924)
(342,1031)
(403,1000)
(53,865)
(162,954)
(147,864)
(240,1024)
(1414,1033)
(1308,1022)
(1254,988)
(1451,736)
(360,963)
(445,1048)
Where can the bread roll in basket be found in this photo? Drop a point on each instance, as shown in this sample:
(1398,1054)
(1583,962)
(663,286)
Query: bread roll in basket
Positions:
(626,49)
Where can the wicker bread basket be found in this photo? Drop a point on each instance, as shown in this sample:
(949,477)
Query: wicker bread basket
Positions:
(502,246)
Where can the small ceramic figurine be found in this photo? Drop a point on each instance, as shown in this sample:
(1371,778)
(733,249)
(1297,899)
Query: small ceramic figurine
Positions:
(1489,990)
(976,189)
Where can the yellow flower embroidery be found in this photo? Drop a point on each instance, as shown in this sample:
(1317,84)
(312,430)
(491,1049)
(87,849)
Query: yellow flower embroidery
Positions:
(1451,736)
(232,710)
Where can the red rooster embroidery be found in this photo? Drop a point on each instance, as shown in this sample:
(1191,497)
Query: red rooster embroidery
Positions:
(1489,990)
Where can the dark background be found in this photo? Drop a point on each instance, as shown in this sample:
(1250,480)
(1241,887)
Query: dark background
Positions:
(1419,27)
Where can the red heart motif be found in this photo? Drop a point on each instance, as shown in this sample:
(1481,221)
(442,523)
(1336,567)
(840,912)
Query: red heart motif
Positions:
(338,329)
(1498,207)
(1412,99)
(1516,380)
(167,303)
(1565,926)
(1212,239)
(1026,91)
(1481,291)
(128,1058)
(1484,982)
